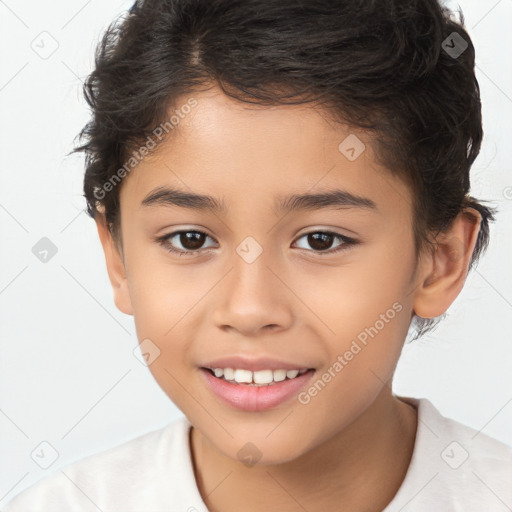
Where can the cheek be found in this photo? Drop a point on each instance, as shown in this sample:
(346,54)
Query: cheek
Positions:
(369,331)
(163,303)
(366,305)
(163,291)
(357,294)
(370,326)
(167,300)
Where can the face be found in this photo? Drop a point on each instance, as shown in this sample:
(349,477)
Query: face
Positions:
(323,285)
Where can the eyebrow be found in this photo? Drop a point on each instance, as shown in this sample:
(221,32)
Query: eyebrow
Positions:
(330,198)
(166,196)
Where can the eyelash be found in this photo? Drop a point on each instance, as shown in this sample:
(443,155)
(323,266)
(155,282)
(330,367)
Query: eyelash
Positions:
(347,242)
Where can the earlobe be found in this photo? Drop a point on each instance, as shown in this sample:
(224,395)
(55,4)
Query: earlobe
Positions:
(445,268)
(115,266)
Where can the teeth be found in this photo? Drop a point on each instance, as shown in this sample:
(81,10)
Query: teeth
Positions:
(229,373)
(279,375)
(243,376)
(261,377)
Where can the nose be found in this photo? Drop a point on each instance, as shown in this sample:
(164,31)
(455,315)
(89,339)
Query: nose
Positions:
(253,298)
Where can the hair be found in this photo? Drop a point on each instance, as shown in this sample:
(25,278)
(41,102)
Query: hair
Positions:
(375,65)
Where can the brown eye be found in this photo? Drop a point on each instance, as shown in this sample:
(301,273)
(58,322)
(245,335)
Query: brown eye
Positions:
(184,242)
(322,241)
(191,240)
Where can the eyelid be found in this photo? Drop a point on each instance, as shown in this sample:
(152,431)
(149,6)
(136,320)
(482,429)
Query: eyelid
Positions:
(164,241)
(347,242)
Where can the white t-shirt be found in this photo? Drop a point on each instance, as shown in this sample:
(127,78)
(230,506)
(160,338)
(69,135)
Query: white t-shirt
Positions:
(453,468)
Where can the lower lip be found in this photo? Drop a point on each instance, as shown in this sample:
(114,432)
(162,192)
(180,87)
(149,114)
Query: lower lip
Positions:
(255,398)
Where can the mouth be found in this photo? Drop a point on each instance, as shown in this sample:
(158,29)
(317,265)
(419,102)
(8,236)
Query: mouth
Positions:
(258,378)
(255,391)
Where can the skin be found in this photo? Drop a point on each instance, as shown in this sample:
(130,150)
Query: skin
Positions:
(352,443)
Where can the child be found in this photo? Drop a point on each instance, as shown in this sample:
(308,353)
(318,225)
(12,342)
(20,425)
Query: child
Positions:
(318,152)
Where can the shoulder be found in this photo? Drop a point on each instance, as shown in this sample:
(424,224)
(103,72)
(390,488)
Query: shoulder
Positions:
(135,475)
(454,466)
(467,446)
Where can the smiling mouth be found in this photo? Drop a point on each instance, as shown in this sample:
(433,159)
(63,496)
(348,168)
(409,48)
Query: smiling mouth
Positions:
(256,378)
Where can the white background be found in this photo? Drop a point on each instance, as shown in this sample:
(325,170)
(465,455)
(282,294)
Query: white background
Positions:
(68,375)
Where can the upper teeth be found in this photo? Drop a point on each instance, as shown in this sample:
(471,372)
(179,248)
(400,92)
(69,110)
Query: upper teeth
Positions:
(259,377)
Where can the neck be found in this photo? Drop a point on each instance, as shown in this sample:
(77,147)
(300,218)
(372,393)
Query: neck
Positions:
(361,467)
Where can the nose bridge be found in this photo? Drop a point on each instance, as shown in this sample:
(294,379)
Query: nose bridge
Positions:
(252,282)
(250,266)
(252,297)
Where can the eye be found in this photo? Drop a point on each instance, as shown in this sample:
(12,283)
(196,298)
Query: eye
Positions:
(190,241)
(321,241)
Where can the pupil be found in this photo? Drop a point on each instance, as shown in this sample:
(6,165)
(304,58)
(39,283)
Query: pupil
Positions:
(314,238)
(193,242)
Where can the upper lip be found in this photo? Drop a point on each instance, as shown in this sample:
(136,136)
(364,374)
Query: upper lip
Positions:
(254,364)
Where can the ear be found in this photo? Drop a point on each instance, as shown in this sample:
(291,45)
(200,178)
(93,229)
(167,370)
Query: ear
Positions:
(115,266)
(444,269)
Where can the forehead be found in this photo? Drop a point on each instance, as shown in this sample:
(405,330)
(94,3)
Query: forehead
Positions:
(237,151)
